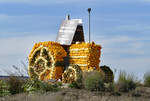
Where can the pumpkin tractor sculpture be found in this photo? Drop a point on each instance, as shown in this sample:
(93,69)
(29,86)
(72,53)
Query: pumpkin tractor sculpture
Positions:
(68,57)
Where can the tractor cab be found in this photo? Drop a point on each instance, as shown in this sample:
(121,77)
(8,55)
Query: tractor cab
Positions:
(70,32)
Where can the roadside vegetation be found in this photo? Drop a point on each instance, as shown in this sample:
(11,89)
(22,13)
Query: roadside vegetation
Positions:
(90,81)
(126,82)
(147,79)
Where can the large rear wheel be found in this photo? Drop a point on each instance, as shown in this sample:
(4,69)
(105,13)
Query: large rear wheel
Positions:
(44,59)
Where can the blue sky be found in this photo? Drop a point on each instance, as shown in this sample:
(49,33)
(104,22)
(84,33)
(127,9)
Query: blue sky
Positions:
(122,27)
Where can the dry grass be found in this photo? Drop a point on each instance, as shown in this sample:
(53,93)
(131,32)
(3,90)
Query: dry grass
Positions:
(79,95)
(126,82)
(147,79)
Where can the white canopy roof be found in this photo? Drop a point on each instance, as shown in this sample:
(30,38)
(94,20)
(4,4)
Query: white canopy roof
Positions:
(67,31)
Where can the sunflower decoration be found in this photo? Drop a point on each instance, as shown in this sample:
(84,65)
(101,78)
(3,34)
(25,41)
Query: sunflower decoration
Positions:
(44,61)
(71,74)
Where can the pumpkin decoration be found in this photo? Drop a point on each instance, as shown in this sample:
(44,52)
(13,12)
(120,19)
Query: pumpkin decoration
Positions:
(44,61)
(85,55)
(71,74)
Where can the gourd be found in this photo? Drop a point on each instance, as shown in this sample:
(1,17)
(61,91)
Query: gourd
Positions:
(71,74)
(109,76)
(85,55)
(45,61)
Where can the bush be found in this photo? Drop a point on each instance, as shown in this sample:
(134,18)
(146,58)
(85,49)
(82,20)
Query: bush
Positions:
(126,82)
(36,85)
(3,89)
(74,85)
(110,87)
(93,81)
(15,84)
(78,83)
(147,79)
(16,79)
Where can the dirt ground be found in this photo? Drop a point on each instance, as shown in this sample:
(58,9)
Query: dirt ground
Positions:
(139,94)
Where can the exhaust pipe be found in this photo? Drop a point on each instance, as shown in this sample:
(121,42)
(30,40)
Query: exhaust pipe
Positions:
(89,11)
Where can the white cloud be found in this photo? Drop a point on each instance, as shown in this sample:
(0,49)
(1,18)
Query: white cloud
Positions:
(21,25)
(136,66)
(16,49)
(4,18)
(146,0)
(133,27)
(125,53)
(21,45)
